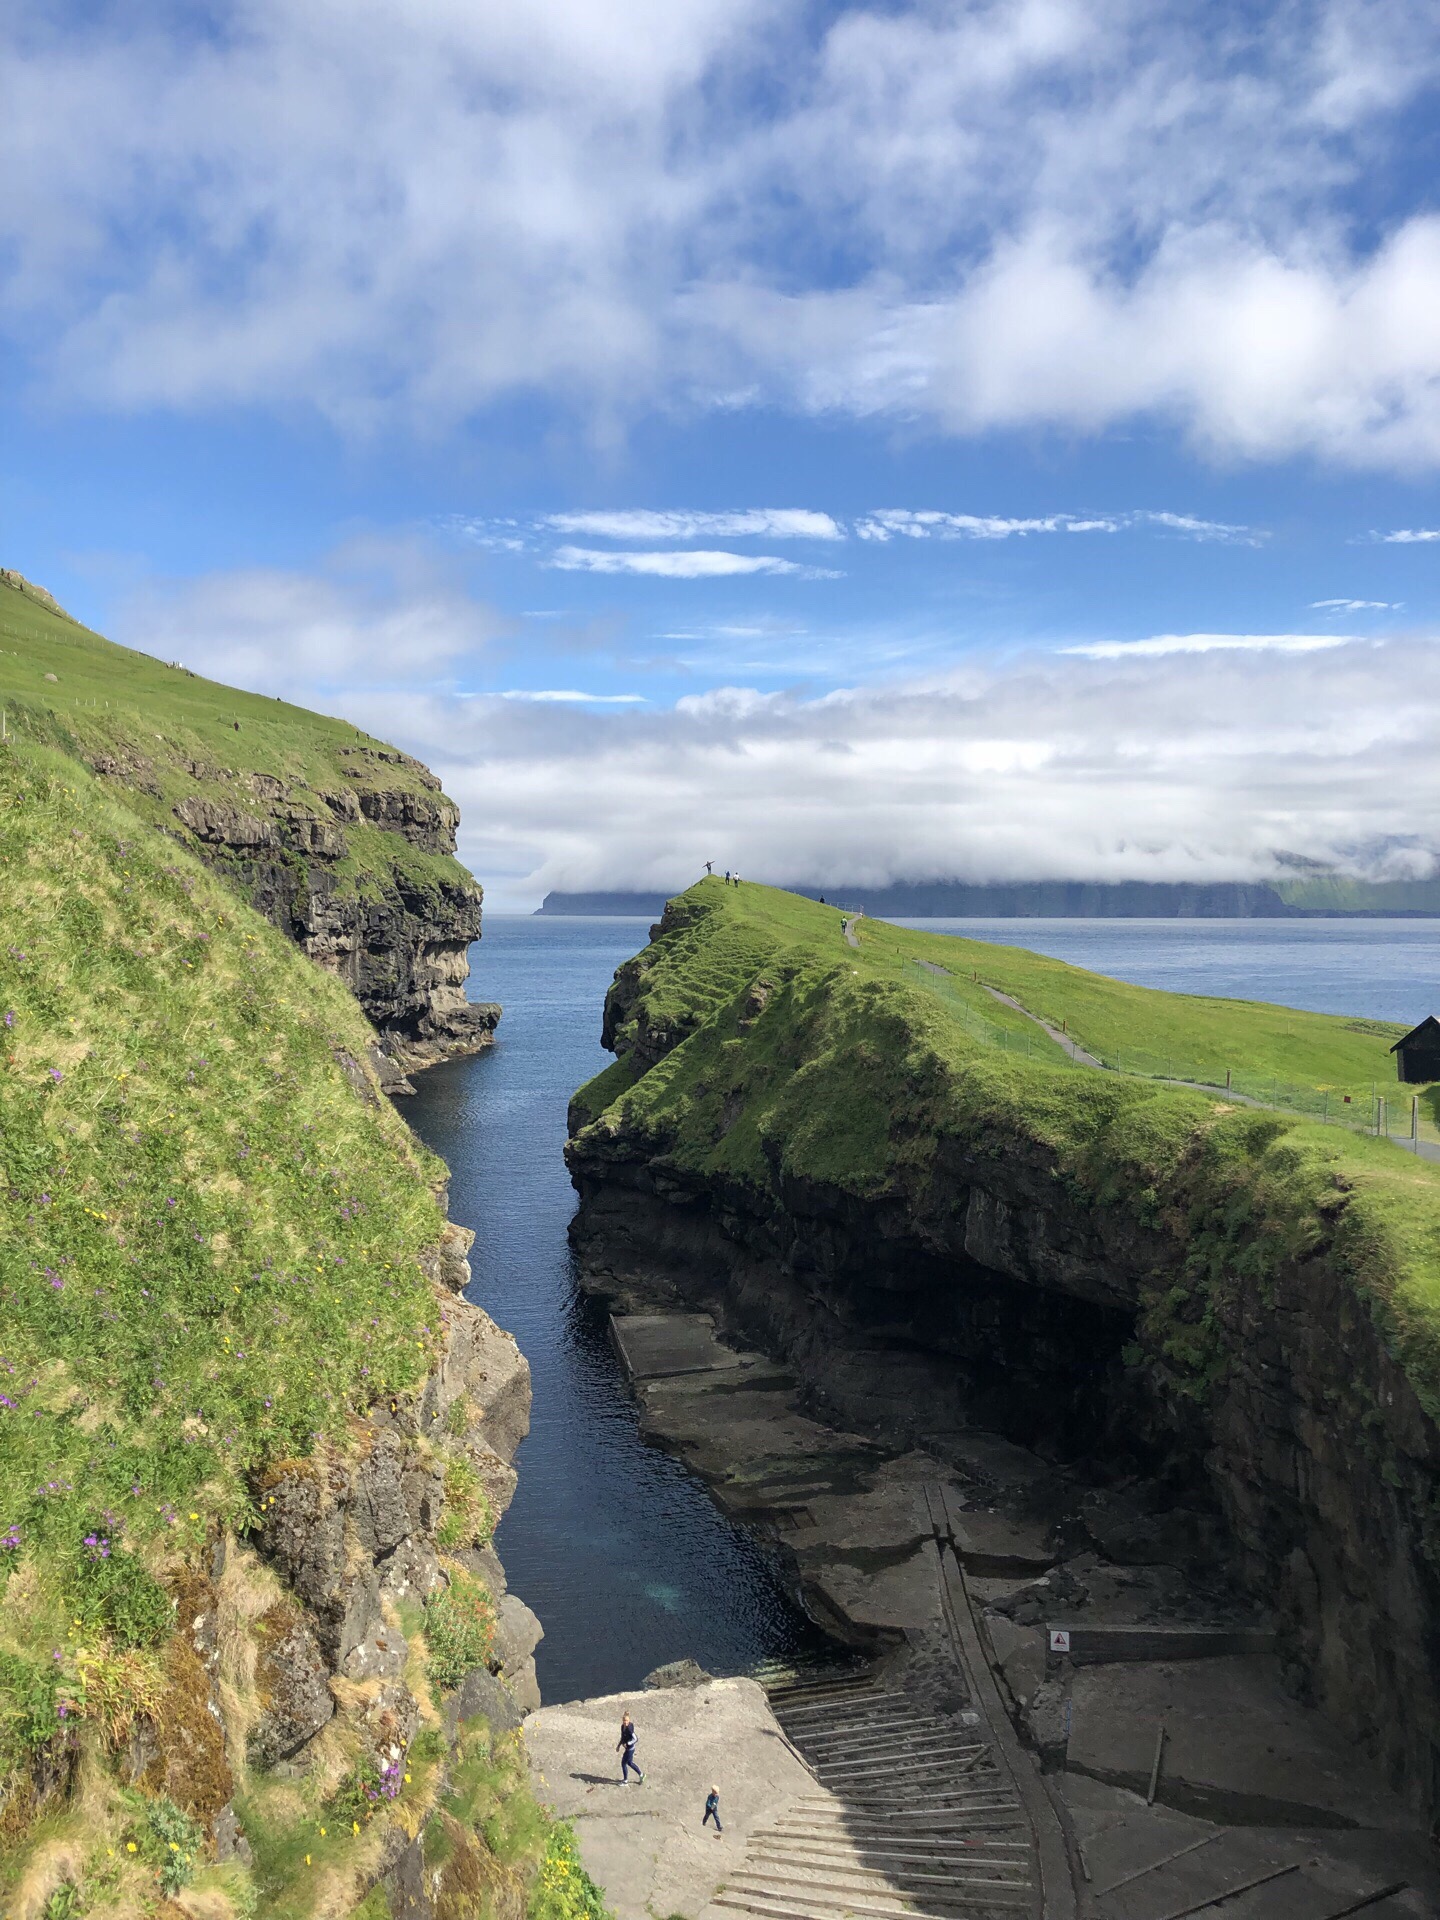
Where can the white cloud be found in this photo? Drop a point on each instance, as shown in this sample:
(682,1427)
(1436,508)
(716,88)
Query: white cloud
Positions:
(1197,529)
(1408,536)
(1356,606)
(1071,213)
(1160,644)
(926,523)
(1170,767)
(687,564)
(569,697)
(498,536)
(773,523)
(383,611)
(886,523)
(1185,757)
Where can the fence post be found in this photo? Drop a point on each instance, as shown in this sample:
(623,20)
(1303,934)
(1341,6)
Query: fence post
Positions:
(1415,1122)
(1227,1079)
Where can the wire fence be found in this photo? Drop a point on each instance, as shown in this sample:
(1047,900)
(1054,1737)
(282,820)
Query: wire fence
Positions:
(1390,1112)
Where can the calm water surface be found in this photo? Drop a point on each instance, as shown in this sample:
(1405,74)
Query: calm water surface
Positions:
(617,1547)
(1381,969)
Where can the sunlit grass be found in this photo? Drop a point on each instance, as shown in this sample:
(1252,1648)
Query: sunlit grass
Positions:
(809,1061)
(208,1240)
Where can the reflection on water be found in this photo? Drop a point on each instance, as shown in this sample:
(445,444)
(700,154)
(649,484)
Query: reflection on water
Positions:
(617,1547)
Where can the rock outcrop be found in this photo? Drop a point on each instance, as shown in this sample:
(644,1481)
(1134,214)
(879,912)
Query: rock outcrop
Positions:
(401,940)
(362,1538)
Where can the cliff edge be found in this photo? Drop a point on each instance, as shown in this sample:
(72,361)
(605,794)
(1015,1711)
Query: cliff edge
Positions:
(257,1653)
(345,844)
(1232,1309)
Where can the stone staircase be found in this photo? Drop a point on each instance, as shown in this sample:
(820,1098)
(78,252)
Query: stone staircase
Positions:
(915,1819)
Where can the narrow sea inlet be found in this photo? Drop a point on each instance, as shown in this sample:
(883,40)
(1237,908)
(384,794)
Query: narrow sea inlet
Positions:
(618,1548)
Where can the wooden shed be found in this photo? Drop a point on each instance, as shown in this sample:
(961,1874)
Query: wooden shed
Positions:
(1417,1056)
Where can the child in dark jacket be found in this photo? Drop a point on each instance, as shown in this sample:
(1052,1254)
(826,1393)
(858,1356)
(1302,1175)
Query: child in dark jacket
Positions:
(712,1810)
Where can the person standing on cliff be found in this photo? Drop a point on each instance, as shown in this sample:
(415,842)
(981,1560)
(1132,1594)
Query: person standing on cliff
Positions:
(712,1810)
(625,1747)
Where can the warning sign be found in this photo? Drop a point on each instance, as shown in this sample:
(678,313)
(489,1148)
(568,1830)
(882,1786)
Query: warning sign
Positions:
(1059,1639)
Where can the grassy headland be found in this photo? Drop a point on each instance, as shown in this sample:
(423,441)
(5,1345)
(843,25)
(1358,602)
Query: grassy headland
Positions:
(217,1248)
(330,833)
(757,1047)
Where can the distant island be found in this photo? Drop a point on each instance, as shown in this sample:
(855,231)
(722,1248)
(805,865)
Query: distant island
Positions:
(1307,896)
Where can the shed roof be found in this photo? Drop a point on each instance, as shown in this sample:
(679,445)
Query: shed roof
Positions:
(1428,1029)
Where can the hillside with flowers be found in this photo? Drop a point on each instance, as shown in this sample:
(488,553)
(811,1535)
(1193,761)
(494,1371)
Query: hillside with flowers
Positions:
(253,1444)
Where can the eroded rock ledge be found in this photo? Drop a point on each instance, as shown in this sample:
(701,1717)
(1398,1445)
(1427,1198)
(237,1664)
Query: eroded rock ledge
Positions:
(300,1640)
(360,872)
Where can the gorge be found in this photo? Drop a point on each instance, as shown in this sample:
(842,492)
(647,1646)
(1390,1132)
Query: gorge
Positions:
(954,1335)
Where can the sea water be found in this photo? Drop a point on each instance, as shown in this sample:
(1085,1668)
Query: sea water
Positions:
(1378,969)
(618,1547)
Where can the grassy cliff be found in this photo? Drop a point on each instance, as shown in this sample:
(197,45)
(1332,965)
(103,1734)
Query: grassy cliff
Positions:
(757,1047)
(862,1159)
(218,1307)
(344,843)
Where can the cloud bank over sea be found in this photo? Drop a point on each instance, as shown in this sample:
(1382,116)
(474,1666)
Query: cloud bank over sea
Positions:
(1175,757)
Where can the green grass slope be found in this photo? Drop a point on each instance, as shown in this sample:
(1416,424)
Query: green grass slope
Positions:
(211,1224)
(208,1239)
(163,729)
(758,1048)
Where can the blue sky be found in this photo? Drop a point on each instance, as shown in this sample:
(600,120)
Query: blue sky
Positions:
(846,443)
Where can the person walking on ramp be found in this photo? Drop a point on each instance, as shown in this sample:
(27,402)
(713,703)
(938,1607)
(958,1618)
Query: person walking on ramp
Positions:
(712,1810)
(625,1747)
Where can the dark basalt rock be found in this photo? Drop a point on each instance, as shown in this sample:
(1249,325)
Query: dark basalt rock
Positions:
(293,1683)
(401,943)
(989,1294)
(678,1673)
(350,1531)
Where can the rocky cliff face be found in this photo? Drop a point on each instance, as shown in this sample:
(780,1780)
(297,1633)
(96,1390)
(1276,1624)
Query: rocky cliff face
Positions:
(360,873)
(984,1284)
(345,844)
(309,1633)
